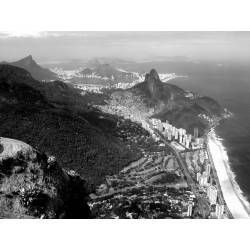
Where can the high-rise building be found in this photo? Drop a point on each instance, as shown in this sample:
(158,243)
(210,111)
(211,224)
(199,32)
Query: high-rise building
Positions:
(203,180)
(198,176)
(212,194)
(187,143)
(190,208)
(180,131)
(184,140)
(180,139)
(176,135)
(219,210)
(184,131)
(208,168)
(195,133)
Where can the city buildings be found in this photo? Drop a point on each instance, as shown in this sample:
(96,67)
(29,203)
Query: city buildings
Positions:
(208,167)
(176,135)
(180,139)
(190,208)
(184,140)
(219,210)
(212,194)
(172,133)
(195,133)
(203,180)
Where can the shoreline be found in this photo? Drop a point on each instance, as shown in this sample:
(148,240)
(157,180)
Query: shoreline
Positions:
(236,203)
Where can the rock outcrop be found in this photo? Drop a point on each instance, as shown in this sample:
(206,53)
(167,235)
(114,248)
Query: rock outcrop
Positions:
(153,98)
(32,185)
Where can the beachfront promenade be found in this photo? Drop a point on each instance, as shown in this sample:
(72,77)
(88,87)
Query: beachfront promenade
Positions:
(233,202)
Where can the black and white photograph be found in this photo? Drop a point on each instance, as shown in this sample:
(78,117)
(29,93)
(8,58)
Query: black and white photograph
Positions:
(101,124)
(108,131)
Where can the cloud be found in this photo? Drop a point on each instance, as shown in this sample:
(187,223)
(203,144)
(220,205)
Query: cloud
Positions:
(23,34)
(47,34)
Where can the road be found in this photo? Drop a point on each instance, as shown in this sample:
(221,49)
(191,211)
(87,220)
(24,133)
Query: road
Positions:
(203,205)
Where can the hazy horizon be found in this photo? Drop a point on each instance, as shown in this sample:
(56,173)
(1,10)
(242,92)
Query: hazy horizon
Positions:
(60,46)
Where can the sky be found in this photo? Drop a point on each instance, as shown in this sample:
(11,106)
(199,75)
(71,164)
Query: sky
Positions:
(62,46)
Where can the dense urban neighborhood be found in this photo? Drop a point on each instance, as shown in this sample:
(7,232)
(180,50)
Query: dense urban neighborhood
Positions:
(175,180)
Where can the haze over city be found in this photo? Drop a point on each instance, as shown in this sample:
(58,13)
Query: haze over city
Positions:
(58,46)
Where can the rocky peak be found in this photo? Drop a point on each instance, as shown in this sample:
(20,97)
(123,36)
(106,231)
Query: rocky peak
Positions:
(28,61)
(152,76)
(152,79)
(29,58)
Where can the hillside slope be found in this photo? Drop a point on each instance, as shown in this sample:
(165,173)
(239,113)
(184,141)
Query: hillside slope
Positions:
(54,118)
(34,69)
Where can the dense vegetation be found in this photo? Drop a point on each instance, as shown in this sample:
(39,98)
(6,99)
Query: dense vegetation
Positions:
(55,119)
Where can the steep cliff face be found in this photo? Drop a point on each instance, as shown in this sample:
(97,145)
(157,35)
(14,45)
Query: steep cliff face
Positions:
(33,185)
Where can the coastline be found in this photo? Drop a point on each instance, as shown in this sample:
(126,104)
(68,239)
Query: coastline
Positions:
(236,203)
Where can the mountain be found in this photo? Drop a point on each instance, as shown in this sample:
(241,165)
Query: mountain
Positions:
(56,119)
(93,63)
(107,60)
(153,98)
(34,69)
(15,87)
(33,185)
(105,70)
(87,71)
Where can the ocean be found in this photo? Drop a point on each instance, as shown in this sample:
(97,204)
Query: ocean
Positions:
(229,84)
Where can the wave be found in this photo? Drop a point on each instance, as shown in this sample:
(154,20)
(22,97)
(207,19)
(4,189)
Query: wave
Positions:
(232,176)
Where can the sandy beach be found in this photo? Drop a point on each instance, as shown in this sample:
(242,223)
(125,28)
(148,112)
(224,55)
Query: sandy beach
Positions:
(232,200)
